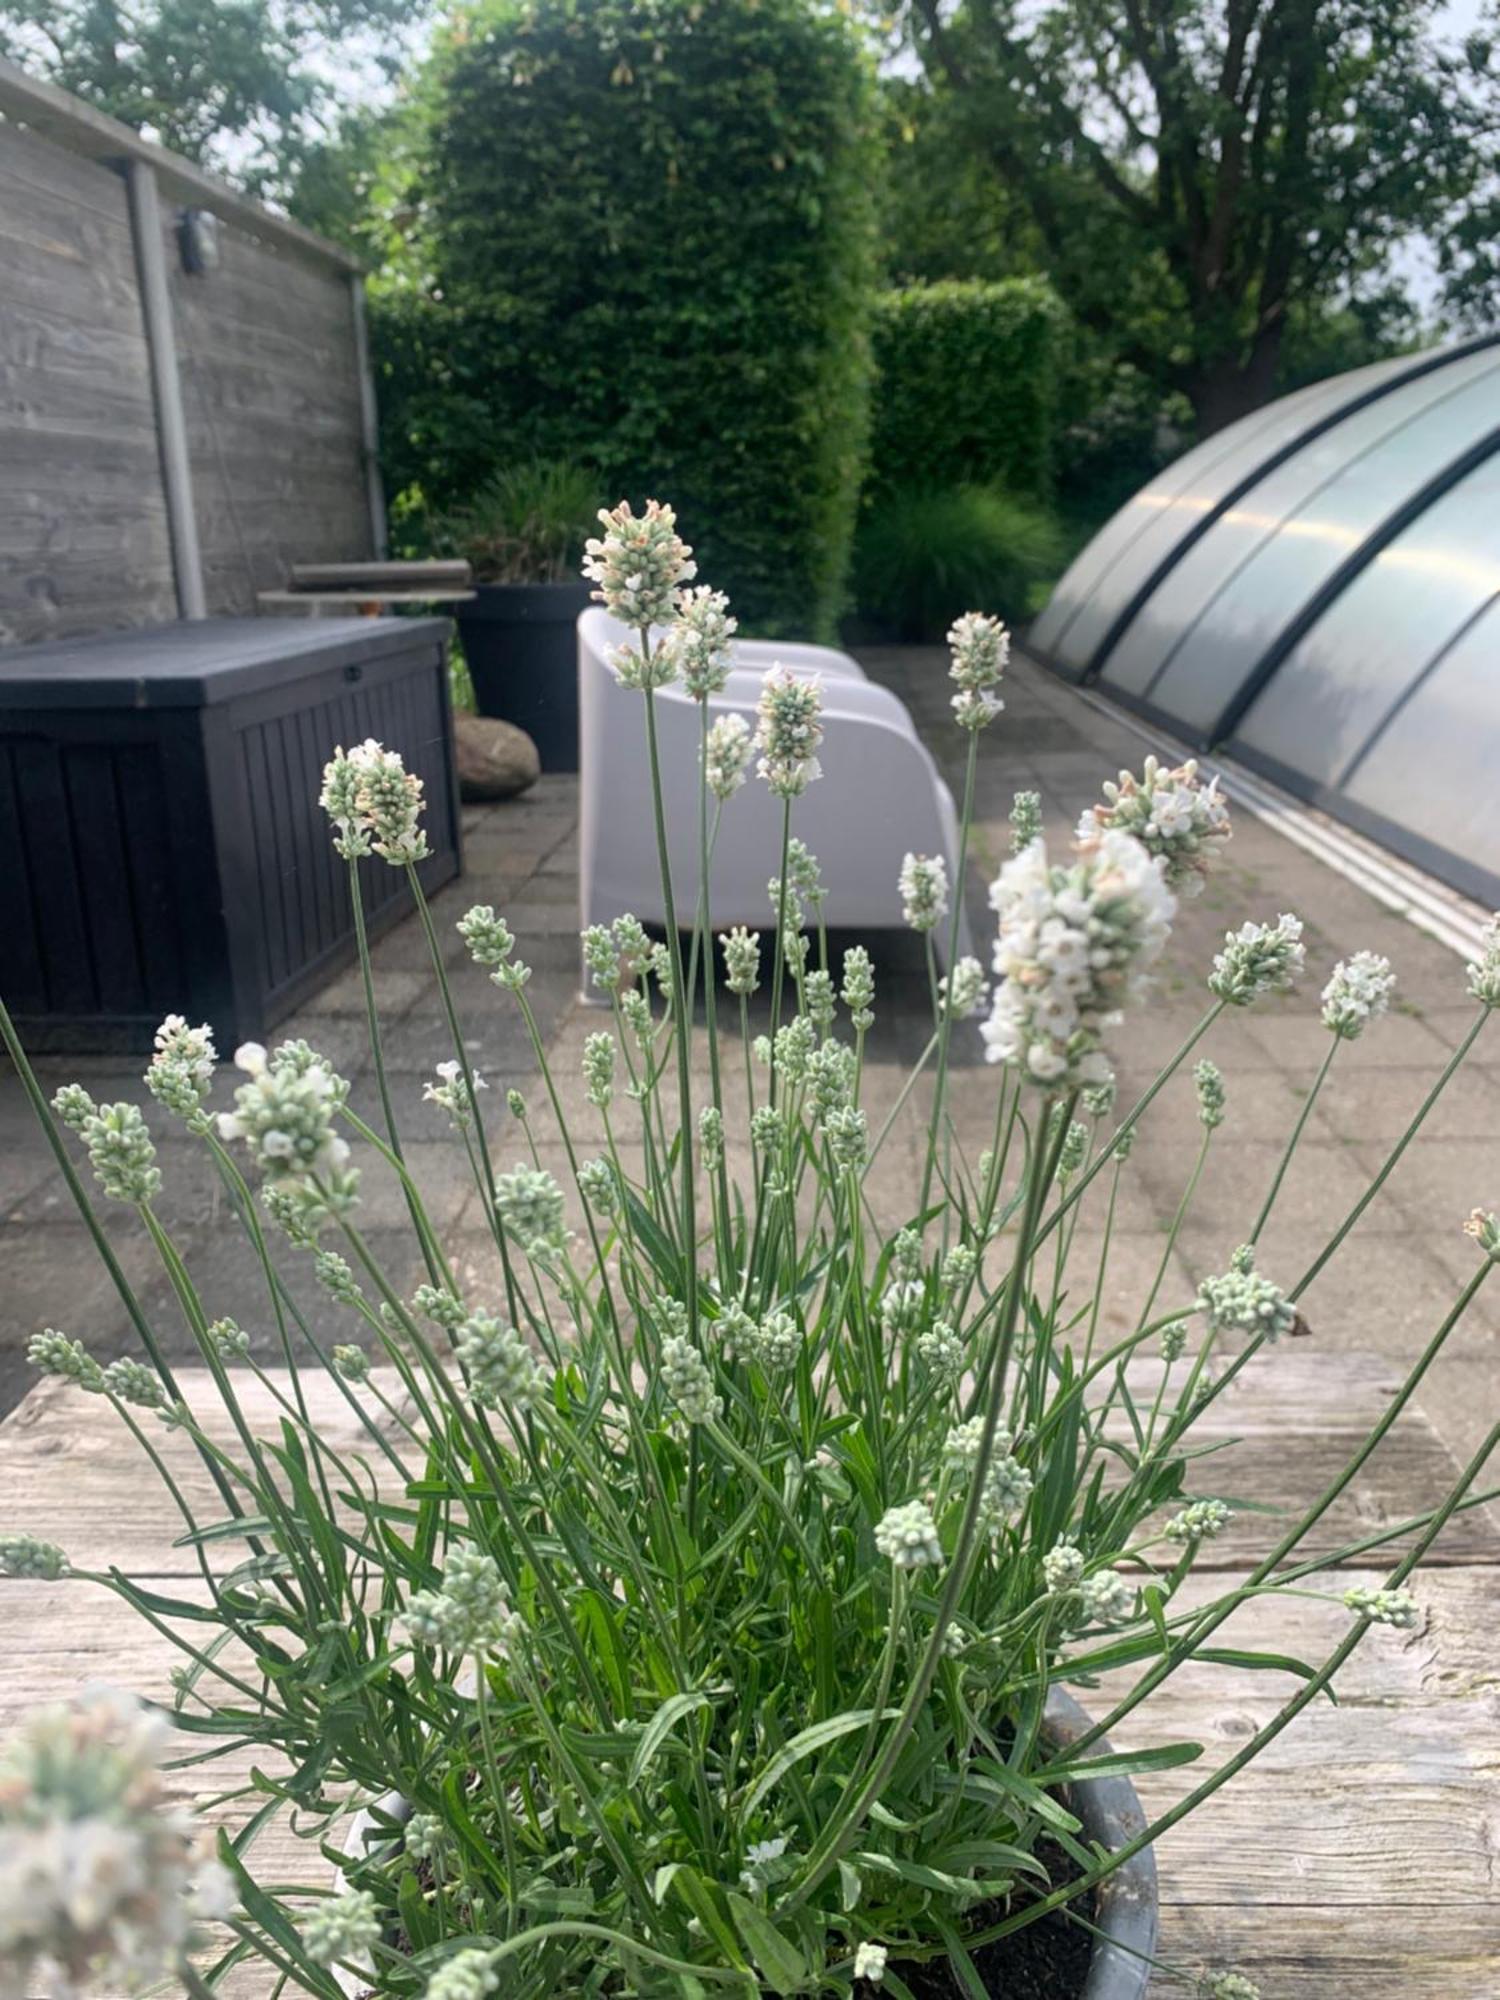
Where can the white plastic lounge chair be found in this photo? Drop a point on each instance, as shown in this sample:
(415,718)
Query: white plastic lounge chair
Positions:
(762,654)
(880,796)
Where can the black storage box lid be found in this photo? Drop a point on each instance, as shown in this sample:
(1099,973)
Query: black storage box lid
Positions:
(198,663)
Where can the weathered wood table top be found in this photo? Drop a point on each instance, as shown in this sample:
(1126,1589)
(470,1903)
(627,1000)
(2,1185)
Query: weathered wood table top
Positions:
(1356,1856)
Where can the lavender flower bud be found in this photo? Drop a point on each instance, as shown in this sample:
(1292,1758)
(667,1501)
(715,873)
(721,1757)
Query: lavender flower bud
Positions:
(858,990)
(790,731)
(1484,971)
(727,755)
(1383,1607)
(688,1380)
(1209,1084)
(1025,820)
(1258,959)
(908,1537)
(1358,993)
(741,960)
(924,891)
(639,564)
(1242,1301)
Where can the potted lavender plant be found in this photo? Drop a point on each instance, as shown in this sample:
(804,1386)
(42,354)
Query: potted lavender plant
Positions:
(699,1614)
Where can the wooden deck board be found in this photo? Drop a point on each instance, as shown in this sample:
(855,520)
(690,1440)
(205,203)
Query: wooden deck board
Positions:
(1358,1854)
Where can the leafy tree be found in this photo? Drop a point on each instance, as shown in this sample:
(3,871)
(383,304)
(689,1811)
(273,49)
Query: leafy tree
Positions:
(1222,166)
(250,87)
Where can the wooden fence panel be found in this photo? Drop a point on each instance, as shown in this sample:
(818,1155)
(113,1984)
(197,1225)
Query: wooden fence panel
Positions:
(83,524)
(270,389)
(269,373)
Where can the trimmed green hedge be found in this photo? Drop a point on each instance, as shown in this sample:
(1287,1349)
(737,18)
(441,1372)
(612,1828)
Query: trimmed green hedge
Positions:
(966,386)
(640,234)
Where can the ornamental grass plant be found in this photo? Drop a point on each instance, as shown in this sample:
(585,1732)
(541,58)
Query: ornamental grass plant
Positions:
(689,1625)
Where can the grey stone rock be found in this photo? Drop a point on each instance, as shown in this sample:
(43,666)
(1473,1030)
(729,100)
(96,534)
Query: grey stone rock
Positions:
(495,759)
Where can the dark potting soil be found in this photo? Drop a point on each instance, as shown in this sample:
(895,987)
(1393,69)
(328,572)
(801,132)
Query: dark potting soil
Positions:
(1048,1960)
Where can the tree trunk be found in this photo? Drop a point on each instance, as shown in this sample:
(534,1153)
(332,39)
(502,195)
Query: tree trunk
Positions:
(1223,391)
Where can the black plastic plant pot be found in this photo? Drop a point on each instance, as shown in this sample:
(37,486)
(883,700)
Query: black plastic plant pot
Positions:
(519,642)
(1125,1915)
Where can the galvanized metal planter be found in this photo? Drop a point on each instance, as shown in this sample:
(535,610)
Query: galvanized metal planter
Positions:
(1126,1913)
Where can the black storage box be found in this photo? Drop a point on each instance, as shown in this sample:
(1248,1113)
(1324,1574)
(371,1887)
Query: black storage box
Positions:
(164,847)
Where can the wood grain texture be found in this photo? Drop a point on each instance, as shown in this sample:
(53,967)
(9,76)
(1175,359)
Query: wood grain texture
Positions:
(1355,1855)
(266,349)
(1287,1426)
(83,534)
(271,394)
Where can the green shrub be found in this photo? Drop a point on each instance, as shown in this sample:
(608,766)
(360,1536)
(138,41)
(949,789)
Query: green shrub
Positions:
(641,238)
(966,385)
(1119,431)
(925,554)
(527,524)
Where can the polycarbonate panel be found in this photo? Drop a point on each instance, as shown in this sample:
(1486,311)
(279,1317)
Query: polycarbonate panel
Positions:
(1193,646)
(1433,771)
(1094,563)
(1130,547)
(1339,683)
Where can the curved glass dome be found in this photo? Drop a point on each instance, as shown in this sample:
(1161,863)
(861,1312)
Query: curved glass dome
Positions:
(1316,590)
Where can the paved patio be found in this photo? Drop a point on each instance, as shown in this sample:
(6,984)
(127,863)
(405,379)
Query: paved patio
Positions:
(1362,1850)
(1394,1279)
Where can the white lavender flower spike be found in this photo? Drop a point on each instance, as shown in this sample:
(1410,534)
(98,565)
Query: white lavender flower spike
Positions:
(375,804)
(285,1115)
(467,1975)
(102,1875)
(981,653)
(1025,820)
(1171,813)
(698,644)
(451,1091)
(688,1380)
(343,1930)
(25,1556)
(498,1364)
(181,1071)
(1200,1521)
(728,754)
(1074,945)
(1228,1986)
(1258,959)
(470,1612)
(869,1962)
(790,731)
(1358,993)
(924,890)
(908,1537)
(1383,1607)
(1485,1230)
(1243,1301)
(639,564)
